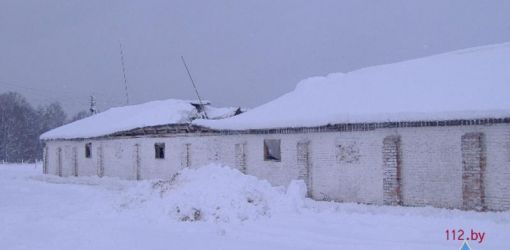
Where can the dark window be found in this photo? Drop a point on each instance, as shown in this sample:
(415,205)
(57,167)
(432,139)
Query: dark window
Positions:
(159,149)
(272,150)
(88,150)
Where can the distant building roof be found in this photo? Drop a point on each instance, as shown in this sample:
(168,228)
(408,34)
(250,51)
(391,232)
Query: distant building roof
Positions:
(126,118)
(466,84)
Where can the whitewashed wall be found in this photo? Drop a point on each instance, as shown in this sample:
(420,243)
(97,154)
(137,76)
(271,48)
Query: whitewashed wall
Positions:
(497,175)
(344,166)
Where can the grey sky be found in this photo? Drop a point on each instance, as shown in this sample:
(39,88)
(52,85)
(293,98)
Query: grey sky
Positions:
(240,52)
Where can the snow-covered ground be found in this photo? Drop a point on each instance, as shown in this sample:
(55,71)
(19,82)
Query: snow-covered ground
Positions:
(214,208)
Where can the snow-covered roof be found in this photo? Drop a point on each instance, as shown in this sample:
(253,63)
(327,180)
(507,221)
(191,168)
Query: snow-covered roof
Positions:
(465,84)
(119,119)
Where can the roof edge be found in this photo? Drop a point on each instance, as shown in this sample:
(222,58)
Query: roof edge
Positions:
(181,129)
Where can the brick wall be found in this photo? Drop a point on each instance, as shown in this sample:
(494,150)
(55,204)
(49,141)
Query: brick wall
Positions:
(473,163)
(303,164)
(341,166)
(240,156)
(391,170)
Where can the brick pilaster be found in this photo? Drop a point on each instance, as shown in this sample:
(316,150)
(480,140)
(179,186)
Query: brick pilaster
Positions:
(391,171)
(303,161)
(75,162)
(473,164)
(100,162)
(240,157)
(59,159)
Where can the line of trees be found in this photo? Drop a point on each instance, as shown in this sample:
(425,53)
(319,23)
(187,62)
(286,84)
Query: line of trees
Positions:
(21,125)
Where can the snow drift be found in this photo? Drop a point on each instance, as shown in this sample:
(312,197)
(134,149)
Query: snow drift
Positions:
(214,193)
(465,84)
(109,213)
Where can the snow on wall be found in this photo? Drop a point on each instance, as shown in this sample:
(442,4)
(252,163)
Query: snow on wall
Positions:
(344,166)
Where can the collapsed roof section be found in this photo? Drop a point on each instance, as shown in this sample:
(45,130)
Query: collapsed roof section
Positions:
(155,114)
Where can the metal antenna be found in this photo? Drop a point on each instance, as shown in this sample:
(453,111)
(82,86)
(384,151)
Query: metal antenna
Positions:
(93,109)
(195,87)
(124,73)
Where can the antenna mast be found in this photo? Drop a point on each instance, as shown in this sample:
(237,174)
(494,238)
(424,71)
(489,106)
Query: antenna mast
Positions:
(195,87)
(92,109)
(124,73)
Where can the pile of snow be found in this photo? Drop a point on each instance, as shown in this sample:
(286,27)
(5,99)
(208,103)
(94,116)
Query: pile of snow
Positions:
(118,119)
(215,193)
(466,84)
(82,212)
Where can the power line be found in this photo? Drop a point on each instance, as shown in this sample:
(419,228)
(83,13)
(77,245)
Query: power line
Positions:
(73,103)
(24,87)
(50,95)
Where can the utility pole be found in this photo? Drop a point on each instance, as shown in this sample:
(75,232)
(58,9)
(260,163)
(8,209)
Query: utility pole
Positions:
(124,73)
(195,87)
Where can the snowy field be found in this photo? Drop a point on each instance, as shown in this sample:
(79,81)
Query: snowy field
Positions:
(215,208)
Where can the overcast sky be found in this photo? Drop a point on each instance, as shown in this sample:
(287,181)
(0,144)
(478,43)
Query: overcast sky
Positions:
(239,52)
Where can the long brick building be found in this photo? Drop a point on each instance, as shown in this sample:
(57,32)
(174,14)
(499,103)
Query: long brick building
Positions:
(427,132)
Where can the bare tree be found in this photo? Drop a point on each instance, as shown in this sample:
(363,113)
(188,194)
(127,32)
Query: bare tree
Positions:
(21,125)
(80,115)
(18,122)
